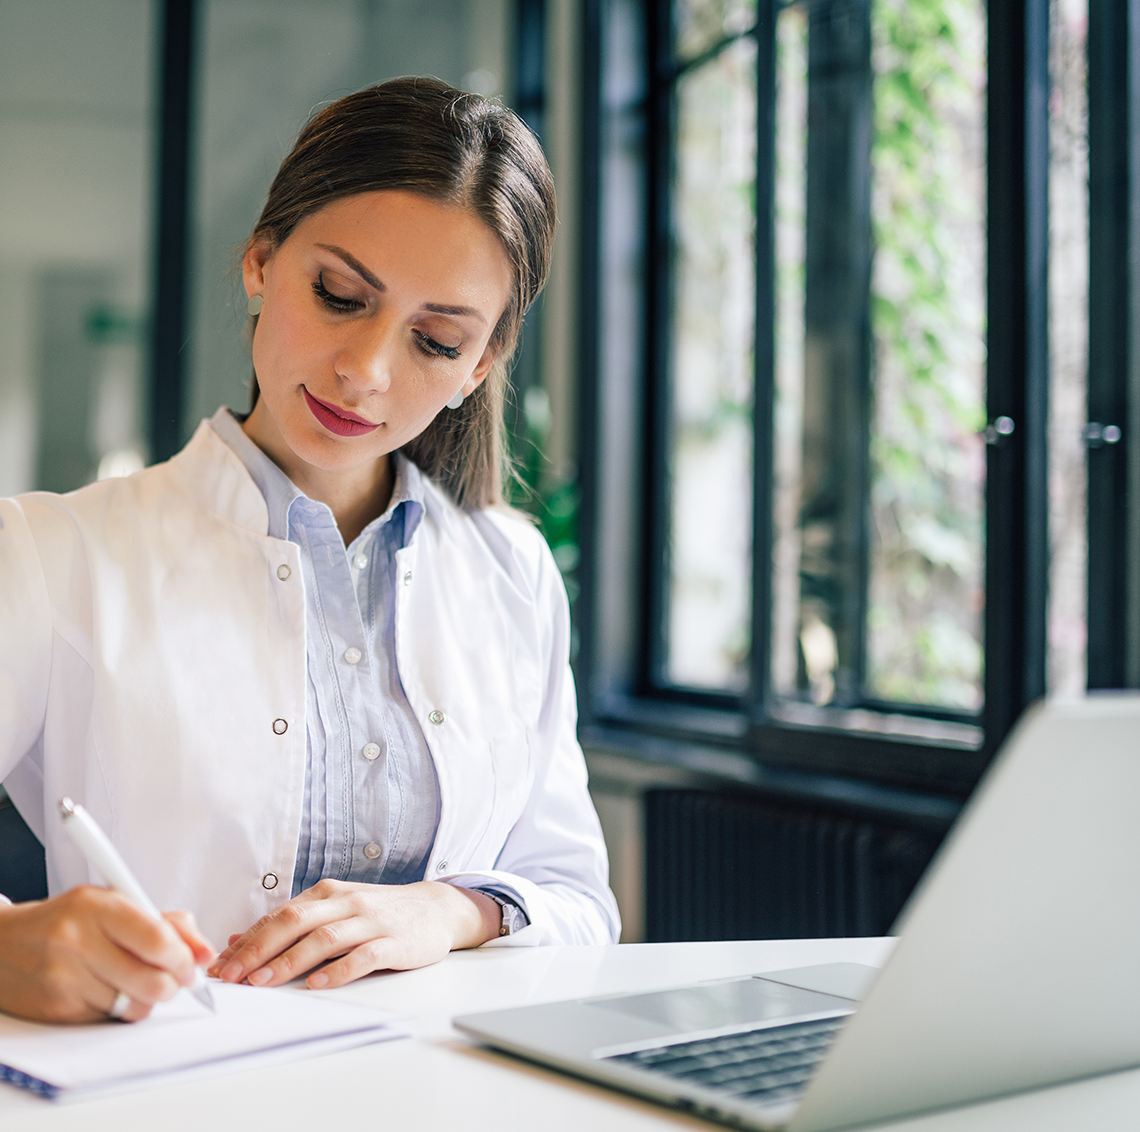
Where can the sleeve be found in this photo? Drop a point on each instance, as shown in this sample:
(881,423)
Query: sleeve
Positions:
(25,638)
(553,863)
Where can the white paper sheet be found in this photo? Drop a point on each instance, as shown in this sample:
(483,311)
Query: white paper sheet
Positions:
(182,1039)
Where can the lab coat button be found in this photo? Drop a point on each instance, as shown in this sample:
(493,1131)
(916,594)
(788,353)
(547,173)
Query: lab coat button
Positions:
(360,561)
(436,716)
(280,727)
(269,880)
(441,867)
(372,850)
(408,578)
(352,656)
(283,572)
(371,751)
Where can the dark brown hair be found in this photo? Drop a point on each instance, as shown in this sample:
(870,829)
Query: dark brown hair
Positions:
(422,136)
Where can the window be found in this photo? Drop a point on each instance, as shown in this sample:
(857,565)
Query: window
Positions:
(820,301)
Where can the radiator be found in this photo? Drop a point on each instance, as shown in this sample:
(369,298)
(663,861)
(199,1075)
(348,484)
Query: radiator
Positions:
(723,866)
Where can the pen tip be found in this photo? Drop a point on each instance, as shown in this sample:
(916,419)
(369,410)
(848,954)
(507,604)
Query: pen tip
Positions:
(66,808)
(203,995)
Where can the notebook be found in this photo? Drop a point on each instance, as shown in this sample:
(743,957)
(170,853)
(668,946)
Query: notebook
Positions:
(182,1040)
(1016,966)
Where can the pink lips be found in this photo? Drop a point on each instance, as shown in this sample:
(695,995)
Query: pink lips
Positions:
(340,421)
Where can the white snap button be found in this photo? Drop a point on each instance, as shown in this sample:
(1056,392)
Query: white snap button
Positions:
(371,751)
(360,561)
(280,727)
(408,578)
(436,716)
(283,572)
(441,867)
(269,880)
(372,850)
(352,656)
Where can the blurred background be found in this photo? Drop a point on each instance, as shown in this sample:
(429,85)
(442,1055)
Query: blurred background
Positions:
(826,411)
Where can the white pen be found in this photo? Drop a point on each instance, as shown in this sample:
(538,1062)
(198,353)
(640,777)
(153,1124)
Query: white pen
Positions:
(104,858)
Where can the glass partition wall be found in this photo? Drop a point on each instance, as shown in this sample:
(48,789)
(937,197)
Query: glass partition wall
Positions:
(76,132)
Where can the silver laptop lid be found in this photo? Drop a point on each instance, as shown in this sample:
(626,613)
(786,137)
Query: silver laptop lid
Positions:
(1019,962)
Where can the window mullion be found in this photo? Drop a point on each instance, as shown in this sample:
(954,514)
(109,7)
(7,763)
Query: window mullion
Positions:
(1017,547)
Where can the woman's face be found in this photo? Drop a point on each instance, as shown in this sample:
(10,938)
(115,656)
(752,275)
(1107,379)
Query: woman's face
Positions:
(377,310)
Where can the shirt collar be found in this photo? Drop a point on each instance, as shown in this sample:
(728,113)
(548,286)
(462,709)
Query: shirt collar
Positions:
(280,493)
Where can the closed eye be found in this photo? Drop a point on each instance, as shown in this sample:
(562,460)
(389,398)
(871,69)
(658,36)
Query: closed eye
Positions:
(431,346)
(337,303)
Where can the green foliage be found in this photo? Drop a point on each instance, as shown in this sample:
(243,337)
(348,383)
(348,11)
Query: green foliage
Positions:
(924,620)
(553,501)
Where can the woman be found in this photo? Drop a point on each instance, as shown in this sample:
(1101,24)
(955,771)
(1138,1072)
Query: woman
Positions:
(308,674)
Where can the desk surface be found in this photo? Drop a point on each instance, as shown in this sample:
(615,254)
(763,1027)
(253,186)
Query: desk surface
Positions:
(438,1080)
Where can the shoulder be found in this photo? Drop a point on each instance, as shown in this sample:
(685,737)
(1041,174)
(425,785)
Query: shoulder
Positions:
(203,482)
(506,540)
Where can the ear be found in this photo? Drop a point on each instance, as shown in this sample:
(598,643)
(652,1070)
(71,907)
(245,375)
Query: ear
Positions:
(253,264)
(479,373)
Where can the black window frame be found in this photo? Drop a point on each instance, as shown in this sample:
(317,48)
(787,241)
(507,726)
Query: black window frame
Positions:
(619,609)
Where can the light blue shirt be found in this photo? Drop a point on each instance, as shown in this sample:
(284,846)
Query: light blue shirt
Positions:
(372,799)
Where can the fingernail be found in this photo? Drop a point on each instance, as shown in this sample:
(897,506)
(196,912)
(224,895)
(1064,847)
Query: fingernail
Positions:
(318,980)
(231,973)
(261,976)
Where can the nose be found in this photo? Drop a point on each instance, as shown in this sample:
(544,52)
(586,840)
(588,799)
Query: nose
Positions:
(367,353)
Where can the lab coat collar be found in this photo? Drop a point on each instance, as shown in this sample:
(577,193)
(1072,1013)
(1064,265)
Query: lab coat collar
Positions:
(214,475)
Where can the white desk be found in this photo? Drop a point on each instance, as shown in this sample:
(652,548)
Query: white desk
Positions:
(438,1081)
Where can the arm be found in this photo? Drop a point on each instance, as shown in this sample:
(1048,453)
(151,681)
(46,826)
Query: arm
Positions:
(67,958)
(554,859)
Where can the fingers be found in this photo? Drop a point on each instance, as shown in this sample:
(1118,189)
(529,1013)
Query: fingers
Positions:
(374,955)
(186,926)
(268,955)
(65,959)
(157,944)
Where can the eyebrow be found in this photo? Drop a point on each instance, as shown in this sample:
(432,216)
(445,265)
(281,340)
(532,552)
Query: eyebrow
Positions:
(373,281)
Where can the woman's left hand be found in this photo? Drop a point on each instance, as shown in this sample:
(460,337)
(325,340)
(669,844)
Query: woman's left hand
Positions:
(363,927)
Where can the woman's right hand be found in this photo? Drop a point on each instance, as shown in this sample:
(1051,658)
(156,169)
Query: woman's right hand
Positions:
(66,959)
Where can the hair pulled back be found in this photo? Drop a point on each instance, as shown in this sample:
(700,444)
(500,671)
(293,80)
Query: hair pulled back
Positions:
(421,135)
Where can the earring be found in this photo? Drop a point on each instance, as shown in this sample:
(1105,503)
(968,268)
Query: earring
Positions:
(254,305)
(457,400)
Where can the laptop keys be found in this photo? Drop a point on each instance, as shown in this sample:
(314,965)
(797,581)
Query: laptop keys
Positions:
(760,1064)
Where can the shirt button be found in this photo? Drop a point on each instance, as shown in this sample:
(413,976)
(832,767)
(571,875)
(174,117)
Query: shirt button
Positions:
(360,561)
(283,572)
(408,578)
(436,716)
(371,751)
(372,850)
(441,867)
(352,656)
(280,727)
(269,880)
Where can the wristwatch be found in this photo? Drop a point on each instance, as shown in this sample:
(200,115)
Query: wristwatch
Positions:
(514,919)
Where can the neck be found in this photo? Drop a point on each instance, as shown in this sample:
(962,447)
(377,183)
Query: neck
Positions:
(355,496)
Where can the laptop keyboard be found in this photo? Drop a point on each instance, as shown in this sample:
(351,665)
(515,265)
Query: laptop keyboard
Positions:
(770,1064)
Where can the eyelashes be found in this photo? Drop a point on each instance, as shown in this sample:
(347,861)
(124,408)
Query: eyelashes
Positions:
(431,346)
(341,305)
(334,302)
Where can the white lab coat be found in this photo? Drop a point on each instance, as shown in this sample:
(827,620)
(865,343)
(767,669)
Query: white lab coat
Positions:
(152,666)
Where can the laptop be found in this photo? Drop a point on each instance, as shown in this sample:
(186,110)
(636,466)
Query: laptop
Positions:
(1017,966)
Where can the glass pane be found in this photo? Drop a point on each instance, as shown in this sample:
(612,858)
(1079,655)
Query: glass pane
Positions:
(712,371)
(1068,346)
(879,469)
(924,629)
(701,24)
(788,673)
(75,215)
